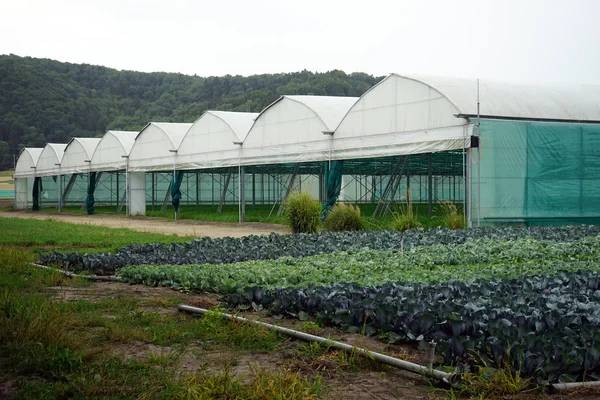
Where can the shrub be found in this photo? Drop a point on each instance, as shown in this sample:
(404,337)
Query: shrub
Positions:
(449,217)
(405,218)
(344,217)
(302,213)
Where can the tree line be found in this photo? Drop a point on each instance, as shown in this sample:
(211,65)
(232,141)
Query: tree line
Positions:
(43,100)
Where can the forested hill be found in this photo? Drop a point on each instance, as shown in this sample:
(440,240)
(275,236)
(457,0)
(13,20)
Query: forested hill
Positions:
(44,101)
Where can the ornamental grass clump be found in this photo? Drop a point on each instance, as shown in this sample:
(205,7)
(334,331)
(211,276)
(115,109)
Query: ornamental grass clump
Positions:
(344,217)
(406,218)
(302,213)
(449,217)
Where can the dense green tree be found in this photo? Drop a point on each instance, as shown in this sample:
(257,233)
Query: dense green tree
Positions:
(44,101)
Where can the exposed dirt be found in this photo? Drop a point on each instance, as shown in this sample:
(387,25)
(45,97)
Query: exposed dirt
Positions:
(155,224)
(388,383)
(8,387)
(375,382)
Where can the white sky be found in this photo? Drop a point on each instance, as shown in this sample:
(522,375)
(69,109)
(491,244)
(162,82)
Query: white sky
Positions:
(524,40)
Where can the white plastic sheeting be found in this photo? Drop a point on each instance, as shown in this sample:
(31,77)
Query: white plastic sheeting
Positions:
(292,129)
(155,146)
(50,159)
(210,142)
(111,151)
(77,152)
(400,116)
(27,161)
(571,102)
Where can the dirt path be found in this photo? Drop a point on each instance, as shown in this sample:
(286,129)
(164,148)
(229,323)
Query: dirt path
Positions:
(156,225)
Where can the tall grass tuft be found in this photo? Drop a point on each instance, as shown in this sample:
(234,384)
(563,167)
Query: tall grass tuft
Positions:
(36,335)
(344,217)
(449,217)
(406,218)
(302,213)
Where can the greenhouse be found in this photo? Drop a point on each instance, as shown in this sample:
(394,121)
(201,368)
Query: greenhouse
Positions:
(512,153)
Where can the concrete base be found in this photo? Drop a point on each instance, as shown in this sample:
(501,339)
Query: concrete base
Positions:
(20,202)
(137,193)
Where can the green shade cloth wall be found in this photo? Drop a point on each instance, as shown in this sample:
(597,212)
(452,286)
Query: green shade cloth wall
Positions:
(333,184)
(37,182)
(176,189)
(89,201)
(537,171)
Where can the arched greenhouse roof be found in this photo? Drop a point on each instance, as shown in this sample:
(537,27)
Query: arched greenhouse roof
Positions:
(549,101)
(293,128)
(78,155)
(27,161)
(400,116)
(210,141)
(155,146)
(50,159)
(111,152)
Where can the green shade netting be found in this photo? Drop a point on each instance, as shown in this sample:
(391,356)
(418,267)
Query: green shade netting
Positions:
(37,182)
(534,171)
(89,201)
(176,189)
(333,183)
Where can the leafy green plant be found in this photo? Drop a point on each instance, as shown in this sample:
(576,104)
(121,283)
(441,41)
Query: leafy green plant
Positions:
(302,213)
(405,218)
(481,258)
(273,246)
(449,217)
(344,217)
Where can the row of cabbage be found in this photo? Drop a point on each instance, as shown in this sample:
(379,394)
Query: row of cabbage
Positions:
(546,327)
(533,303)
(480,258)
(269,247)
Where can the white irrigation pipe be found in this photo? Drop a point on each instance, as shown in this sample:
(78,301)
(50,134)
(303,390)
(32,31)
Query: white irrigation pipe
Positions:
(560,387)
(450,378)
(72,275)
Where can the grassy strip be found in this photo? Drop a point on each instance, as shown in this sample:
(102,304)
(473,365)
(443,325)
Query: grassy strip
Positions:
(62,349)
(260,213)
(44,235)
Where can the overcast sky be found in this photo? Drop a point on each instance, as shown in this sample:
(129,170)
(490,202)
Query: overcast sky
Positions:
(525,40)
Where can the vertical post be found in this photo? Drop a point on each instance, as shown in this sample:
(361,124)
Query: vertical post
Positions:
(241,199)
(243,195)
(478,160)
(153,183)
(137,193)
(20,193)
(253,190)
(176,212)
(59,189)
(429,184)
(117,190)
(197,189)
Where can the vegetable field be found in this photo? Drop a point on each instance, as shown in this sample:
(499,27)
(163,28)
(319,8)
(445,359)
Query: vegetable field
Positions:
(529,298)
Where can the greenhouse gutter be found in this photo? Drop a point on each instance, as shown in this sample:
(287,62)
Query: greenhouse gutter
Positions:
(526,119)
(450,378)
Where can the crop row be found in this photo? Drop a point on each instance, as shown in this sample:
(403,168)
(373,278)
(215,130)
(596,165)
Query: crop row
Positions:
(267,247)
(480,258)
(550,326)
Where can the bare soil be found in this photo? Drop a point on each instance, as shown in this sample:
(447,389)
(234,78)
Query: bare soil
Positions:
(381,383)
(155,224)
(376,382)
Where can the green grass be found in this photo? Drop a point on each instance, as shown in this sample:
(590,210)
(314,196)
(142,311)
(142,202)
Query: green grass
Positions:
(260,213)
(9,172)
(41,235)
(59,349)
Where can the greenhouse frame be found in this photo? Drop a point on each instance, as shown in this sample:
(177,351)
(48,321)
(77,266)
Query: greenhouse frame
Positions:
(511,153)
